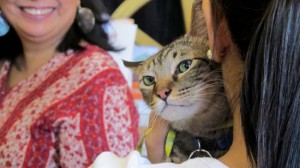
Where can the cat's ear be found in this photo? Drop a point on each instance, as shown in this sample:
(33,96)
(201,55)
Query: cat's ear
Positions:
(198,26)
(132,65)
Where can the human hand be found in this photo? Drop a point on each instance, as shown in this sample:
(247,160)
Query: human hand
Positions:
(155,141)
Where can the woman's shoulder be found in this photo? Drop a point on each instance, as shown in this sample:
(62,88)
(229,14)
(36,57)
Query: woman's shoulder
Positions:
(96,58)
(96,52)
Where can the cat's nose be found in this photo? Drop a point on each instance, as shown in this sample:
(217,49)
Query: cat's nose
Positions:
(163,93)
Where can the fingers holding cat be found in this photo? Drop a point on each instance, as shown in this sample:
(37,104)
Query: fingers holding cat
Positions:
(155,141)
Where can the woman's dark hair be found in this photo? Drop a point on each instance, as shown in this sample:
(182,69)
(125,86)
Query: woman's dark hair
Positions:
(270,102)
(11,46)
(268,35)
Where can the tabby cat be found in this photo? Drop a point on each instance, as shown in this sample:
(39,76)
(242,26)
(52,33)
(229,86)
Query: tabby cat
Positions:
(184,86)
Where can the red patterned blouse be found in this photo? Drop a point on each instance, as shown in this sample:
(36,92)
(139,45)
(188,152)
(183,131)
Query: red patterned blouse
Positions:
(75,107)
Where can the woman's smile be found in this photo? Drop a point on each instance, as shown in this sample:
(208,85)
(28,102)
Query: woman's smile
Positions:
(37,11)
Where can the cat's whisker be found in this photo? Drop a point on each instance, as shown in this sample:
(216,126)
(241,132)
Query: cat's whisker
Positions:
(212,74)
(209,102)
(208,94)
(199,99)
(201,94)
(202,87)
(215,81)
(208,78)
(153,119)
(199,91)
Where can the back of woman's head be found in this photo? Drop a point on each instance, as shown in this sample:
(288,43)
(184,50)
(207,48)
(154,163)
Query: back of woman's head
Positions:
(271,89)
(268,35)
(243,17)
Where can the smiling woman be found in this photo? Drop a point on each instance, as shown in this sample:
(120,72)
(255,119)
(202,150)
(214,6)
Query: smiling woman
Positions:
(40,21)
(63,99)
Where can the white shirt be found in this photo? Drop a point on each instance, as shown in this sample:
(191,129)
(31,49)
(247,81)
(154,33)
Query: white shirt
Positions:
(135,160)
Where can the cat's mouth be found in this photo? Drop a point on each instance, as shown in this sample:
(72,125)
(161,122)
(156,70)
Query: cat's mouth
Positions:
(174,105)
(177,105)
(174,112)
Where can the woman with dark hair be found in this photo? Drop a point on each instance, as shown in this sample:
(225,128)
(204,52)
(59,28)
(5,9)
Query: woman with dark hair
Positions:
(257,44)
(63,99)
(270,94)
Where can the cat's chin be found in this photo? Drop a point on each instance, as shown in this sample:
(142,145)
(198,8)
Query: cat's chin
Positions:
(178,112)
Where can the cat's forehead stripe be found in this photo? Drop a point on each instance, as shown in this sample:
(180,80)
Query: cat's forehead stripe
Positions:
(175,54)
(163,55)
(159,58)
(153,62)
(166,54)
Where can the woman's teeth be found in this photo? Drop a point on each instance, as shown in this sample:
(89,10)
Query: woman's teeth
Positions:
(34,11)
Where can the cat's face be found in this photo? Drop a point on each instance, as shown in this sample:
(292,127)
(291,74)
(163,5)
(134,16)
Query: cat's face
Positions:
(179,81)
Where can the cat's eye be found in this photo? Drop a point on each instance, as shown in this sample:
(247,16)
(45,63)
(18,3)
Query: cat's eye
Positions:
(148,80)
(184,66)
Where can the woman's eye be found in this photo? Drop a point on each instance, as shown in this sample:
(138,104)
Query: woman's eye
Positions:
(148,80)
(184,66)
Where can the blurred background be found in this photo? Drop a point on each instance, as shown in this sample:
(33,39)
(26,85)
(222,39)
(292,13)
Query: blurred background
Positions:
(161,19)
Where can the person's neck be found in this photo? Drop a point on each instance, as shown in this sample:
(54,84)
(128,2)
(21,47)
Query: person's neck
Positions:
(232,68)
(33,58)
(28,63)
(236,157)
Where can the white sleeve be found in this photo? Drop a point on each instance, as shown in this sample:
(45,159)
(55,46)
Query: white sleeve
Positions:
(135,160)
(204,162)
(110,160)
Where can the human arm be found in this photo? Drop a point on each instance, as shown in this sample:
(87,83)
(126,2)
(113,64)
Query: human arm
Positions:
(155,141)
